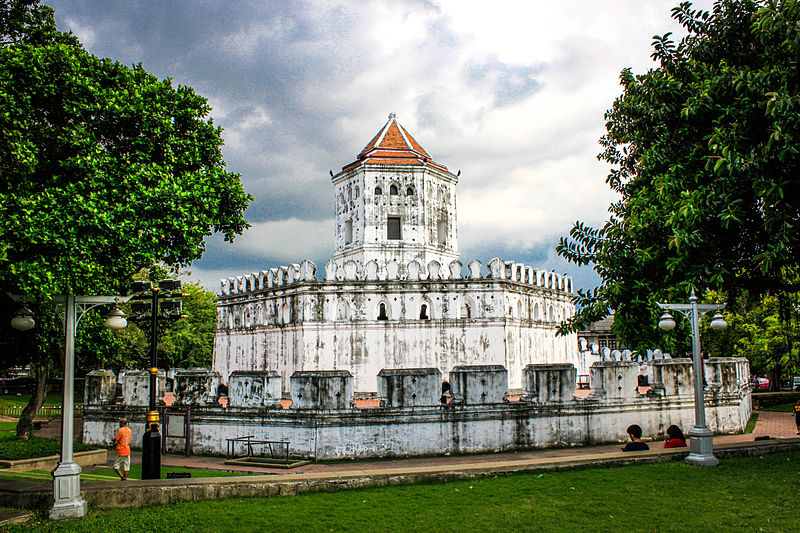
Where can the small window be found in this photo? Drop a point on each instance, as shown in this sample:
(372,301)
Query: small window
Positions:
(410,191)
(393,228)
(348,231)
(466,311)
(393,190)
(378,191)
(441,230)
(423,312)
(382,312)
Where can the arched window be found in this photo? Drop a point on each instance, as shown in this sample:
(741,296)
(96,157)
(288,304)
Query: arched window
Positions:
(382,312)
(378,191)
(423,312)
(393,190)
(410,191)
(466,310)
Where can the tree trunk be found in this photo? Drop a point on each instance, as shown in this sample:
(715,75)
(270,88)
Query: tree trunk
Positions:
(25,424)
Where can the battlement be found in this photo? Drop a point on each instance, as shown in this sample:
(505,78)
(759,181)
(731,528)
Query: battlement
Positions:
(352,271)
(415,414)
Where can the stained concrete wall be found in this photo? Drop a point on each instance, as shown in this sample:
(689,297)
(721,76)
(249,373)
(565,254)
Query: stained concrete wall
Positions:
(550,383)
(409,387)
(479,384)
(322,389)
(196,386)
(287,320)
(257,388)
(100,387)
(136,386)
(454,428)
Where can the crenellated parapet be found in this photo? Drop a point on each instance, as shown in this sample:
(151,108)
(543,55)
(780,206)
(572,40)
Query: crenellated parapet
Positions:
(414,387)
(351,292)
(391,271)
(411,418)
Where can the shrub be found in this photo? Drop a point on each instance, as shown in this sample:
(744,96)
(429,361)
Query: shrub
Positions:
(15,449)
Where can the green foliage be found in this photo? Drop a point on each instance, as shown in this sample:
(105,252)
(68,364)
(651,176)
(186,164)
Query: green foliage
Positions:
(662,497)
(762,329)
(704,156)
(106,170)
(14,449)
(189,341)
(183,343)
(26,21)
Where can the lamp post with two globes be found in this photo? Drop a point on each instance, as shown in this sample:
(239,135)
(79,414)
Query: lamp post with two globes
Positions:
(67,501)
(701,442)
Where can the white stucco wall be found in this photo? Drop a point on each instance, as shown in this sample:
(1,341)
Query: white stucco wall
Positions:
(333,324)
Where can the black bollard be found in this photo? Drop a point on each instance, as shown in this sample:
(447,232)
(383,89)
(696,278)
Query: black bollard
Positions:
(151,453)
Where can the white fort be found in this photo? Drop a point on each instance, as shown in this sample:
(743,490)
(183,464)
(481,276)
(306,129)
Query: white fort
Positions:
(395,294)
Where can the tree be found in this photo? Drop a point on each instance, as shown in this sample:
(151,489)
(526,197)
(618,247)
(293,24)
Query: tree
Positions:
(189,342)
(704,156)
(104,169)
(182,343)
(762,330)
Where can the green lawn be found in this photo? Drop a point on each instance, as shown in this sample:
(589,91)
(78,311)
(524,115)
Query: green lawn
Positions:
(53,399)
(108,474)
(742,494)
(7,430)
(780,408)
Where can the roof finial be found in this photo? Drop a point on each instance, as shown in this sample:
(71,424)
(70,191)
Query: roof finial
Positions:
(392,116)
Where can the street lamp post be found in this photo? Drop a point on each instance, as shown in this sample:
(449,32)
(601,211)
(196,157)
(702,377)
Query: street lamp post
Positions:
(151,441)
(701,442)
(67,501)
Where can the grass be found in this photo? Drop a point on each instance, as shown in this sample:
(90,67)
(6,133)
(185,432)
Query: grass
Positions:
(53,399)
(780,408)
(651,497)
(108,474)
(751,424)
(7,430)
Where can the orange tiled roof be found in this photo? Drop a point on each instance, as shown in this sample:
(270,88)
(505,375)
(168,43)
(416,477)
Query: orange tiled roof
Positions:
(393,145)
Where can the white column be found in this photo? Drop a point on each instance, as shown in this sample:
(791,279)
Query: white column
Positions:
(67,475)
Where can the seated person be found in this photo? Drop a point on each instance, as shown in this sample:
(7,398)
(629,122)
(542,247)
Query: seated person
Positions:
(636,444)
(676,438)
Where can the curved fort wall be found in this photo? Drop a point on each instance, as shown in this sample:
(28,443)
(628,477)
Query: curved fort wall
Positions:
(362,318)
(323,422)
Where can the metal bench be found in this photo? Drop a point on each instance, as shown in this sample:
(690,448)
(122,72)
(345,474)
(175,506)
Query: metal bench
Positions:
(277,448)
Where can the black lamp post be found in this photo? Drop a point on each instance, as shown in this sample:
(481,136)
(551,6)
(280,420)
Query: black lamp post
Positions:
(167,288)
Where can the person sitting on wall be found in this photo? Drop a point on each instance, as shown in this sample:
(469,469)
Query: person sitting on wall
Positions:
(676,438)
(636,444)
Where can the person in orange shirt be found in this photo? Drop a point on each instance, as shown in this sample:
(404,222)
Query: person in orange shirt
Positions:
(123,443)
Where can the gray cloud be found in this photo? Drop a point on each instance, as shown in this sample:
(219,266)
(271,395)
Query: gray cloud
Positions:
(300,87)
(509,83)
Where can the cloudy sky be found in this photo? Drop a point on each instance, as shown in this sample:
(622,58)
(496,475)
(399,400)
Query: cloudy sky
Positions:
(512,93)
